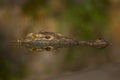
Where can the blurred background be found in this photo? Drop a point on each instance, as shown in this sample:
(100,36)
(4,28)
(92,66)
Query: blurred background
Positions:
(79,19)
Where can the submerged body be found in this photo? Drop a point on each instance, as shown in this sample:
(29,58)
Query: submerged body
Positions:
(50,40)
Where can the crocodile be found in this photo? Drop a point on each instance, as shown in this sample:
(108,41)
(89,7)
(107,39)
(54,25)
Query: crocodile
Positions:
(51,40)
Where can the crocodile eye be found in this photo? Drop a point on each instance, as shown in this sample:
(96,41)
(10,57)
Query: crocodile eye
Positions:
(48,37)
